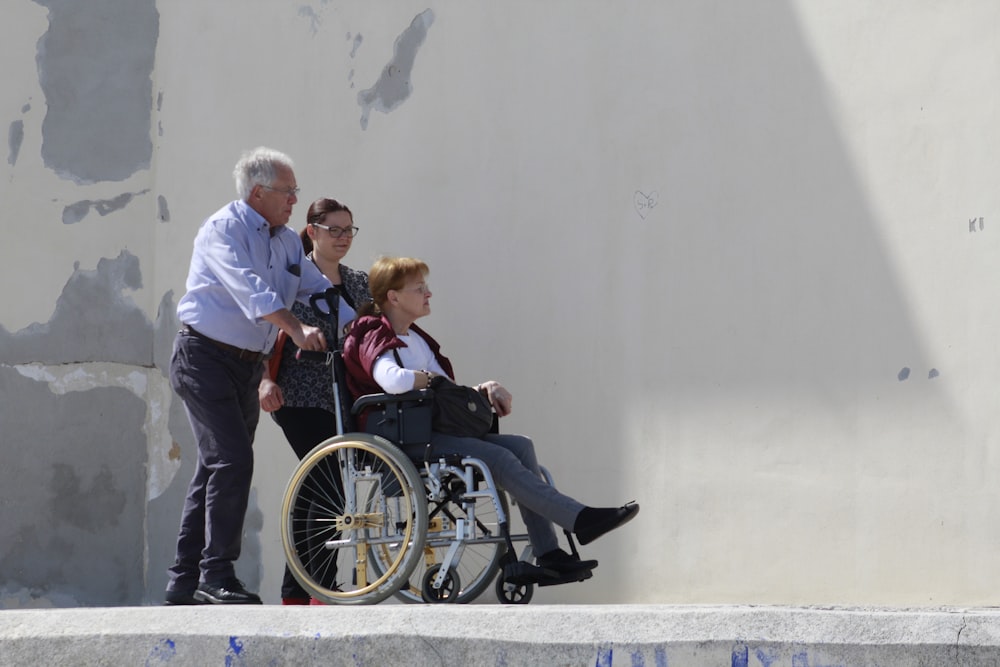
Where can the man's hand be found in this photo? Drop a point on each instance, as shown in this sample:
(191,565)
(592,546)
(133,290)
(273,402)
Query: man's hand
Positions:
(309,338)
(306,337)
(270,395)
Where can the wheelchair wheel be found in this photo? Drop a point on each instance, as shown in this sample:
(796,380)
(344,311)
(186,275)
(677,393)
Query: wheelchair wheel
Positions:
(513,593)
(449,587)
(350,496)
(481,559)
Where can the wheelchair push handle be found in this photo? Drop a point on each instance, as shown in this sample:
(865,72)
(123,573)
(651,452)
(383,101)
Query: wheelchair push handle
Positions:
(316,356)
(332,313)
(331,297)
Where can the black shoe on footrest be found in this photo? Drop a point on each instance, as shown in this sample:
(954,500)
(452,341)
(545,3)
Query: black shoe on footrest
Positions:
(564,563)
(521,572)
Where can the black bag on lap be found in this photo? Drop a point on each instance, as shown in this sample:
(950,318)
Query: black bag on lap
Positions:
(459,410)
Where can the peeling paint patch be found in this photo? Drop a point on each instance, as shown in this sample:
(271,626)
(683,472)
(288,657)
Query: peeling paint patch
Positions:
(93,321)
(159,107)
(162,211)
(149,385)
(74,472)
(95,65)
(393,86)
(355,45)
(98,339)
(65,378)
(15,136)
(76,212)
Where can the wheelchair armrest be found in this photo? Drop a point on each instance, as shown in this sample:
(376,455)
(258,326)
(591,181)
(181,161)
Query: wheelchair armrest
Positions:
(369,400)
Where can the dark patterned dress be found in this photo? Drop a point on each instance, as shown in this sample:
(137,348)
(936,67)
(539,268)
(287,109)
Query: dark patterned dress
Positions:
(308,385)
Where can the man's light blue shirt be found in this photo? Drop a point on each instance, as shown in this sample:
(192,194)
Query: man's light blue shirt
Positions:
(240,273)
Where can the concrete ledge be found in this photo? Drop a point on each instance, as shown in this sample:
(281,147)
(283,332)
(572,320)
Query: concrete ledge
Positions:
(391,634)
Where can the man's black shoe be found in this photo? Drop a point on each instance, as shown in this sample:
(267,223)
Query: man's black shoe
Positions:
(227,592)
(564,563)
(177,598)
(593,522)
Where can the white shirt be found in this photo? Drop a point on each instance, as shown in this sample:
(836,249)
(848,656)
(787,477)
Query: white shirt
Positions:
(416,356)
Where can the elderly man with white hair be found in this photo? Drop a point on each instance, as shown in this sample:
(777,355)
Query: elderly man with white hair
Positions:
(247,269)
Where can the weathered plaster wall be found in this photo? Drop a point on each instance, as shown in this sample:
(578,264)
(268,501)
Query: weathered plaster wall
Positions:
(732,260)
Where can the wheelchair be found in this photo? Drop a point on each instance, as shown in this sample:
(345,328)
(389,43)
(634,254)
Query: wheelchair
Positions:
(369,516)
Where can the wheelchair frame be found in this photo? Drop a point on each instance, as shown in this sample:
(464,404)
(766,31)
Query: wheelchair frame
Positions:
(361,523)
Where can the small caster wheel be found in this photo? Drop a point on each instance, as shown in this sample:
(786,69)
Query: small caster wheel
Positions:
(449,588)
(513,593)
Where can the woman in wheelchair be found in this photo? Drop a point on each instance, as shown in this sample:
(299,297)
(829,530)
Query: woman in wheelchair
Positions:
(384,351)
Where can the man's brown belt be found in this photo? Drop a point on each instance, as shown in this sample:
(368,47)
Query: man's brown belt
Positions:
(238,352)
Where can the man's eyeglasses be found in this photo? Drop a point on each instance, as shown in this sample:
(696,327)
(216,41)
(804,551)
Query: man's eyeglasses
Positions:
(290,192)
(337,232)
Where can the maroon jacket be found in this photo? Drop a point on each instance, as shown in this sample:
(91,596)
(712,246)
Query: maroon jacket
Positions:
(369,338)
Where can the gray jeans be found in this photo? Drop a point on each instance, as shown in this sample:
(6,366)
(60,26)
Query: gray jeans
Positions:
(512,462)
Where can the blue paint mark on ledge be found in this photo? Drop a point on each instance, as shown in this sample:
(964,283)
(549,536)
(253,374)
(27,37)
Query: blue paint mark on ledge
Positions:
(164,651)
(233,655)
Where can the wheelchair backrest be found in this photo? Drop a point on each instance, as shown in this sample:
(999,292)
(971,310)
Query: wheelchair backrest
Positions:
(343,396)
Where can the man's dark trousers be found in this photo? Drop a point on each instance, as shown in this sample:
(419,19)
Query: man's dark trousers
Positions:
(220,396)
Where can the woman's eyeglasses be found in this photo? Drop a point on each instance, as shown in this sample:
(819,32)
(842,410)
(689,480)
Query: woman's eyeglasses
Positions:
(337,232)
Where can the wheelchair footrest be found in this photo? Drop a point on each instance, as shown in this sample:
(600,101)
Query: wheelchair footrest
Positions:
(521,572)
(567,578)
